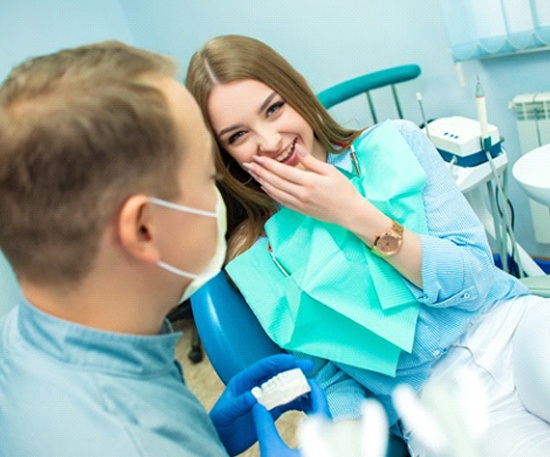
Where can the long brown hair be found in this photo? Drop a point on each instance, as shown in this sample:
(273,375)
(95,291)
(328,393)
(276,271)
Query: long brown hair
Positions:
(232,58)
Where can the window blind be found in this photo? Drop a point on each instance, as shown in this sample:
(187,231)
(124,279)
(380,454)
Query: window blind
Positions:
(485,28)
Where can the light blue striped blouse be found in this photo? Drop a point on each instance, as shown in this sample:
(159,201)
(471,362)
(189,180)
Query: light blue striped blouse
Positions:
(459,278)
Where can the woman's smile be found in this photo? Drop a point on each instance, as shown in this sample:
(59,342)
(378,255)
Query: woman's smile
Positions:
(288,156)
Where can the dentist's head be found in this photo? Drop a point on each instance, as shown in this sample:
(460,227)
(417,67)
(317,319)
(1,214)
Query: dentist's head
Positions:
(107,180)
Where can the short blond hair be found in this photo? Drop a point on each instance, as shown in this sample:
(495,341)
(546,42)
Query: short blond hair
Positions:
(81,130)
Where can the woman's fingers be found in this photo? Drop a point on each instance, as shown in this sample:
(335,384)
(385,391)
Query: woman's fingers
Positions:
(294,174)
(312,164)
(279,179)
(265,174)
(315,188)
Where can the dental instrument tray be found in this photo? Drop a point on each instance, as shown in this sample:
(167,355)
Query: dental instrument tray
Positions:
(458,140)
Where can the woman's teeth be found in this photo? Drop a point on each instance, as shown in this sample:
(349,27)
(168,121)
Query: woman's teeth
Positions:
(285,155)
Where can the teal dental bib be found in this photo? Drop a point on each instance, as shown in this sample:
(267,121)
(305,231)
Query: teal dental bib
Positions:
(317,289)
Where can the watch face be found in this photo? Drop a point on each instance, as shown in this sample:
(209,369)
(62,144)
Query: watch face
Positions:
(388,244)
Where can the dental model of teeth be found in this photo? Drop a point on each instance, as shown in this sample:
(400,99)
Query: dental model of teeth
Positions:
(282,389)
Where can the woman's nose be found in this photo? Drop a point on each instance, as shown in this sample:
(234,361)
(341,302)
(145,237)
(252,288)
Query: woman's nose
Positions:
(269,141)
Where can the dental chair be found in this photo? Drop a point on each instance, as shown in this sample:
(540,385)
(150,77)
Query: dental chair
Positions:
(233,338)
(230,333)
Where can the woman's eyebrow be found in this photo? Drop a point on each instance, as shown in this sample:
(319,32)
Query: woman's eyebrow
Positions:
(228,129)
(263,106)
(266,102)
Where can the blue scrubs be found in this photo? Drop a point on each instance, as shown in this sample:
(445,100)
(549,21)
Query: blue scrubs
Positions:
(66,390)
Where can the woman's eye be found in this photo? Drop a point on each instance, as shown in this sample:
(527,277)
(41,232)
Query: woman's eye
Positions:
(235,137)
(275,107)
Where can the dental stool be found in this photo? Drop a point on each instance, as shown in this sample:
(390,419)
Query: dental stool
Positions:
(233,338)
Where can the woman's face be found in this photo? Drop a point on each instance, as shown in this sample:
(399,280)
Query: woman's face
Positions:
(249,118)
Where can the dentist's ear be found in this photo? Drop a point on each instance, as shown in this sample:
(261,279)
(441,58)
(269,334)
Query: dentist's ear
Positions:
(136,229)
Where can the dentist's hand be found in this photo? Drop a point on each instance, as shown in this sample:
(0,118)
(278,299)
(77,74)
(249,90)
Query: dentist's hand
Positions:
(271,443)
(232,413)
(317,189)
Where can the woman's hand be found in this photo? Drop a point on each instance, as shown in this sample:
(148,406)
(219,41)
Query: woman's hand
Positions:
(321,191)
(318,190)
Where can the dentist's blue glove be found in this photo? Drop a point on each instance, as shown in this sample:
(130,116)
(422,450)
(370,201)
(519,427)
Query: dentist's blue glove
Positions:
(271,443)
(232,413)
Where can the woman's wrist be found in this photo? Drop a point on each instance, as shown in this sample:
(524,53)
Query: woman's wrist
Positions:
(366,221)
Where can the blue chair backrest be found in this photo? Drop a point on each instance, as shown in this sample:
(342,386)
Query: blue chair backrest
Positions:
(230,333)
(352,87)
(345,90)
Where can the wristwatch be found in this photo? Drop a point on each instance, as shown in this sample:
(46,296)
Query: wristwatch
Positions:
(389,242)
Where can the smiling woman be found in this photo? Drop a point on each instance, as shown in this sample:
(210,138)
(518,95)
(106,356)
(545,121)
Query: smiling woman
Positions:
(250,119)
(278,94)
(356,248)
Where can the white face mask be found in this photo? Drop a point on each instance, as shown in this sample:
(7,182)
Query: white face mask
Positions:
(216,262)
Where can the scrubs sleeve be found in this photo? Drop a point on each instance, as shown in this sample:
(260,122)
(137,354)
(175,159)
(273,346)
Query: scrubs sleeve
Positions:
(457,264)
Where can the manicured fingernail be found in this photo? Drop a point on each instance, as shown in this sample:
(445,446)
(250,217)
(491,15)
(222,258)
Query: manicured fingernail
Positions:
(258,159)
(300,150)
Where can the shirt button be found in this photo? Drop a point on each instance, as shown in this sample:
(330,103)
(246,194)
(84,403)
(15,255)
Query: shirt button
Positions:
(436,353)
(466,296)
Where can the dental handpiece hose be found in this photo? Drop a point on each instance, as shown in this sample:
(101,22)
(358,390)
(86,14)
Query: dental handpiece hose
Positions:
(486,147)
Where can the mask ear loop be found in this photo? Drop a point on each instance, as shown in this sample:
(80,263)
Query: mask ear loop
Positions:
(228,168)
